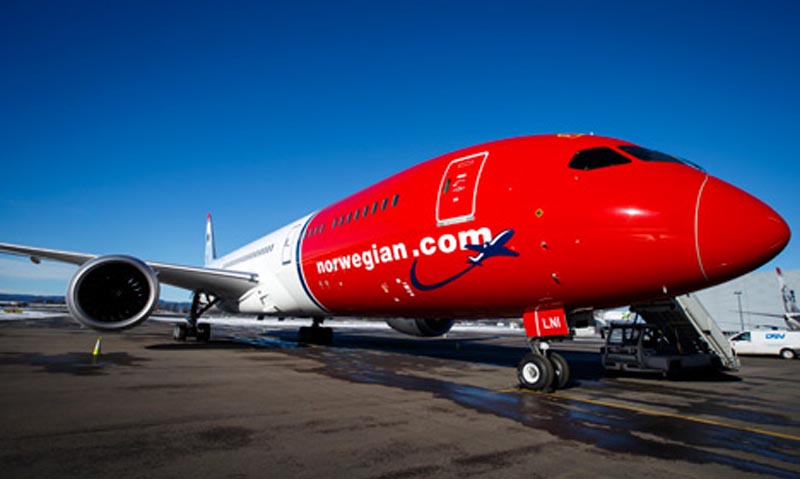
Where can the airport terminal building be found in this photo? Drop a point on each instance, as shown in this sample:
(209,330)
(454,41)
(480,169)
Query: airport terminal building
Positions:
(734,304)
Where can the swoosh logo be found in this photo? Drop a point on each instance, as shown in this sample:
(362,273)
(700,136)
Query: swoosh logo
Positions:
(491,249)
(429,287)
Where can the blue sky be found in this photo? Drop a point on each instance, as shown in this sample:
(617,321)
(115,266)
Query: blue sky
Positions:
(123,123)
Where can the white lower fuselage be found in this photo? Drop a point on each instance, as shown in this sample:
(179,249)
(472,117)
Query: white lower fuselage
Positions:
(280,290)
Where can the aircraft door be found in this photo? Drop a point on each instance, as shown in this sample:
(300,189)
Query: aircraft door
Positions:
(458,190)
(287,254)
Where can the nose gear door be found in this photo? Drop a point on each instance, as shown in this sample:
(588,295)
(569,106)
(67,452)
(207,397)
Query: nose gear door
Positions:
(287,254)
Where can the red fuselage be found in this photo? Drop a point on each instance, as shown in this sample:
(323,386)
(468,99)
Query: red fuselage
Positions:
(555,221)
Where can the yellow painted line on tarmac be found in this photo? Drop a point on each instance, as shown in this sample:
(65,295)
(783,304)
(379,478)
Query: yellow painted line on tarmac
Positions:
(653,412)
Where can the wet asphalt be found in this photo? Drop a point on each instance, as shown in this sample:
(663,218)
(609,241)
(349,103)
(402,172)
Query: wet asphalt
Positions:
(255,403)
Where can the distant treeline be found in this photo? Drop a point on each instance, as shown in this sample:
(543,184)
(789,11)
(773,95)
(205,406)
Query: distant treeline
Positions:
(31,298)
(177,307)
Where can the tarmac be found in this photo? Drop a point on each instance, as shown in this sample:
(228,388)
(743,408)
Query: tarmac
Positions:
(376,404)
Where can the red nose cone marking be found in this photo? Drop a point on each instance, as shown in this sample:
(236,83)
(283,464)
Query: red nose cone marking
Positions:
(736,232)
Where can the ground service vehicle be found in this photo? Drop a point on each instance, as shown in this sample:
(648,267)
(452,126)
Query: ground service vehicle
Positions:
(650,348)
(783,343)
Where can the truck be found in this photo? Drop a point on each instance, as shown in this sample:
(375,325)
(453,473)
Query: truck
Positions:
(785,344)
(649,348)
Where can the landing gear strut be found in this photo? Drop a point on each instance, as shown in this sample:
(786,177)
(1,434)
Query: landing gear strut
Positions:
(316,334)
(542,369)
(201,302)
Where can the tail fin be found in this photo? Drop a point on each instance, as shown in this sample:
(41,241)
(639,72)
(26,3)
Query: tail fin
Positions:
(791,312)
(211,250)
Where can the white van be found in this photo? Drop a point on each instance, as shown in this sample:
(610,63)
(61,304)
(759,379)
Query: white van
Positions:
(784,343)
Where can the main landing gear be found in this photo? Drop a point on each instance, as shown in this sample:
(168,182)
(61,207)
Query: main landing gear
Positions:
(201,302)
(542,369)
(316,334)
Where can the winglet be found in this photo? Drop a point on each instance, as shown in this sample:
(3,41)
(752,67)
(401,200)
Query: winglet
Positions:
(211,250)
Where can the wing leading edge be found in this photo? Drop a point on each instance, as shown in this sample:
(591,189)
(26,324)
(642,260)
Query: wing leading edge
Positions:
(221,283)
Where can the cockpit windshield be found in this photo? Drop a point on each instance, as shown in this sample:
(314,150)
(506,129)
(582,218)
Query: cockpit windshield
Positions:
(646,154)
(594,158)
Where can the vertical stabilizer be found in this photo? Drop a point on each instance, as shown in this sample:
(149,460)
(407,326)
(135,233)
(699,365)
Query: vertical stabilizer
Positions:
(791,312)
(211,250)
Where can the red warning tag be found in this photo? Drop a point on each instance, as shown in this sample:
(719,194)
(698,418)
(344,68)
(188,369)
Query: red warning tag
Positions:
(545,323)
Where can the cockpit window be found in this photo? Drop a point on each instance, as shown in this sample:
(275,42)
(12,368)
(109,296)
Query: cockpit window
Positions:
(594,158)
(648,155)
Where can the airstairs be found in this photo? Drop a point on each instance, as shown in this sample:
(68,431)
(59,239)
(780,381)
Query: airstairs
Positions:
(693,328)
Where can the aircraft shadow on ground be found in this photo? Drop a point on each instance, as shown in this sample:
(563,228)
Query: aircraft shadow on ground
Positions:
(477,349)
(214,344)
(584,365)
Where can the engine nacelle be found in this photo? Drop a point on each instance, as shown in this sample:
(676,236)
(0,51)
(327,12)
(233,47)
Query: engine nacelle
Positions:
(113,293)
(425,328)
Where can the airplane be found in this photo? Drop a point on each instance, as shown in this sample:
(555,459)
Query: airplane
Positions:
(563,224)
(791,312)
(495,247)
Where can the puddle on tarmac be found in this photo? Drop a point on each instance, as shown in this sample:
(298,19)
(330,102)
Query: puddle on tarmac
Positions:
(266,342)
(81,364)
(605,427)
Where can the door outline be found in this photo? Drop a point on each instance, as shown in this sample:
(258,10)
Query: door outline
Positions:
(471,215)
(291,238)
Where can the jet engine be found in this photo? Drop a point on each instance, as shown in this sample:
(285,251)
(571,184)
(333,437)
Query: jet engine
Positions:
(425,328)
(113,293)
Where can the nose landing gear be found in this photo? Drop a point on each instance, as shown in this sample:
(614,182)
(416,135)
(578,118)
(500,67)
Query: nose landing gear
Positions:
(542,369)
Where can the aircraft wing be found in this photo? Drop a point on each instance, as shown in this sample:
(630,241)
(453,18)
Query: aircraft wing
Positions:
(223,283)
(37,254)
(757,313)
(219,282)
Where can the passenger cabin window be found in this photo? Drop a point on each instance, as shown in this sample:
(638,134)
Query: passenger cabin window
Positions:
(356,214)
(645,154)
(595,158)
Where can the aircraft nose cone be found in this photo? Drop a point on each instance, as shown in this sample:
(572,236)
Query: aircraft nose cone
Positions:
(735,232)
